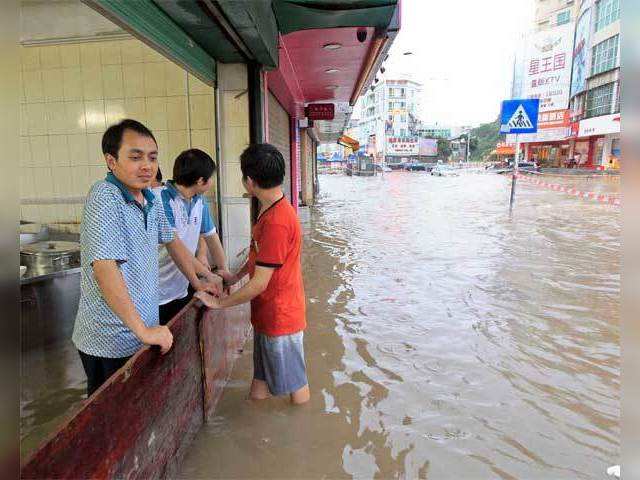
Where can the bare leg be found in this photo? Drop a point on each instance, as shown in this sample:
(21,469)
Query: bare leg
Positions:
(301,396)
(259,390)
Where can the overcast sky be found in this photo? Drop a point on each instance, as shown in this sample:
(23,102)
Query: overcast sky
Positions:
(462,54)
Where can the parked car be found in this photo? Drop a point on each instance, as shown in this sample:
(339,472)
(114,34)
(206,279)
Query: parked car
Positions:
(444,171)
(415,167)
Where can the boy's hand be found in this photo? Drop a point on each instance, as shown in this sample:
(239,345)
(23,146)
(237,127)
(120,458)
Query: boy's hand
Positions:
(228,277)
(160,335)
(204,260)
(209,300)
(211,284)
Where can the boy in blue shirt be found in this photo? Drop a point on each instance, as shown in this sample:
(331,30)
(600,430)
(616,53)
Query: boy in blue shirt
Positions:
(187,211)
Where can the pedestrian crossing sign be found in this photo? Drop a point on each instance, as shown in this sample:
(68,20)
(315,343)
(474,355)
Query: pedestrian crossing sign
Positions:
(519,116)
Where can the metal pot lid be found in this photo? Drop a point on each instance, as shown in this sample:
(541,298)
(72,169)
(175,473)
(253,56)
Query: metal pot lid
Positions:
(51,248)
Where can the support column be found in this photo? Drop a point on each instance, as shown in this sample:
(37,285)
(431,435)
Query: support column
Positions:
(294,133)
(234,135)
(304,168)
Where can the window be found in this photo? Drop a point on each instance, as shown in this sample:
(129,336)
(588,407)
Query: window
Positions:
(402,92)
(403,118)
(390,105)
(391,92)
(564,17)
(607,11)
(402,105)
(605,55)
(599,100)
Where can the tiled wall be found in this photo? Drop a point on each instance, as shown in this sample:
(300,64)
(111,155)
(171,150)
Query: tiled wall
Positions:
(234,138)
(72,92)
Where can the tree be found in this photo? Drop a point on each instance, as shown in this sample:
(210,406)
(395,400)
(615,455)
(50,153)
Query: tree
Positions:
(473,145)
(444,148)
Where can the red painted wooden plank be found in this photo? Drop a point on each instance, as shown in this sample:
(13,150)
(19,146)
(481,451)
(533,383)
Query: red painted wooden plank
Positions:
(139,423)
(222,336)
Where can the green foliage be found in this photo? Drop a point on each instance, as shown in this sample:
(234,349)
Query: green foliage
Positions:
(444,148)
(486,137)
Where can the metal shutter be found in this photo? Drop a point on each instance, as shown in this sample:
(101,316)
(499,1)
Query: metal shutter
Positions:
(280,138)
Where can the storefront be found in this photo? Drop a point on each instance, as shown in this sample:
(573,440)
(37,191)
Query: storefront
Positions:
(603,134)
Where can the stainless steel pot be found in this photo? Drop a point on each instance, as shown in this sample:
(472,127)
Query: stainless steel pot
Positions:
(33,232)
(50,256)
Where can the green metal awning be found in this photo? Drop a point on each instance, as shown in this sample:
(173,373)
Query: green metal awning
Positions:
(144,20)
(294,15)
(197,33)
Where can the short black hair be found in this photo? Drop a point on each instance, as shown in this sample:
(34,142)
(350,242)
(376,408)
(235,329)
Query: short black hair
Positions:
(112,138)
(264,164)
(159,176)
(191,165)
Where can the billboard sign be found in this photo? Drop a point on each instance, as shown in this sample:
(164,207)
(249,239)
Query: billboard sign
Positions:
(398,146)
(548,67)
(428,147)
(581,56)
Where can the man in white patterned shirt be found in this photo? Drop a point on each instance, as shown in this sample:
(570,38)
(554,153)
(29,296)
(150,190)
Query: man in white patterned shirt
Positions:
(121,227)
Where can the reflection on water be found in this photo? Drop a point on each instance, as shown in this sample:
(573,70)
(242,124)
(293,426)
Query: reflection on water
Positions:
(52,385)
(446,340)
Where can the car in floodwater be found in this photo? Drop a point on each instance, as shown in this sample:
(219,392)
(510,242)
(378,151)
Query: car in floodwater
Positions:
(444,171)
(415,167)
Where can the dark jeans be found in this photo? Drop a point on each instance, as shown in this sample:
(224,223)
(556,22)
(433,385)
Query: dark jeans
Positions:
(99,369)
(171,309)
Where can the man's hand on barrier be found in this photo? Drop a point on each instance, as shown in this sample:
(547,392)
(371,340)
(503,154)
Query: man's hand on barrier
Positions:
(160,335)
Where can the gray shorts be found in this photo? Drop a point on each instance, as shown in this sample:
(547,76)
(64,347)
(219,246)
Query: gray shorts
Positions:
(279,361)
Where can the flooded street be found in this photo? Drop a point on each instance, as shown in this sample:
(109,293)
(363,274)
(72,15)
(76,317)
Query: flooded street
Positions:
(446,340)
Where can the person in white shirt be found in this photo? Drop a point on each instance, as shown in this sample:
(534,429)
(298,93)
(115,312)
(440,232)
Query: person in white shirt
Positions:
(188,213)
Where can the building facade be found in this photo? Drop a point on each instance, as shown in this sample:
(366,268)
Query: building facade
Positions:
(574,68)
(553,13)
(595,85)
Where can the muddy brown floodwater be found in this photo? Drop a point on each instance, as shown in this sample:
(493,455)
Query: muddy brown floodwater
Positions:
(446,340)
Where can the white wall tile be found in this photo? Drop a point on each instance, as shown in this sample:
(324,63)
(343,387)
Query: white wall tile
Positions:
(25,152)
(77,149)
(33,88)
(53,84)
(27,184)
(56,118)
(156,109)
(95,157)
(39,150)
(92,82)
(58,151)
(42,179)
(94,116)
(75,117)
(133,75)
(70,55)
(113,81)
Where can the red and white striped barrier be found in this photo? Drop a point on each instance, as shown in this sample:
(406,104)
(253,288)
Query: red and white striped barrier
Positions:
(556,187)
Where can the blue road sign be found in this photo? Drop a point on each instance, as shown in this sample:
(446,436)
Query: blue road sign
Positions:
(519,116)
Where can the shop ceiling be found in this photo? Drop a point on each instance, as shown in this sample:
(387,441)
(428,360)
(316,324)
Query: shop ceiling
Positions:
(335,47)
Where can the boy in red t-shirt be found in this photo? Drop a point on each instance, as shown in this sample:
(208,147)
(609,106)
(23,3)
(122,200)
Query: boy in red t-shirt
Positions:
(275,287)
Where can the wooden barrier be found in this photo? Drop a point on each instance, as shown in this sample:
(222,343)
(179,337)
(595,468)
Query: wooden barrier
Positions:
(139,423)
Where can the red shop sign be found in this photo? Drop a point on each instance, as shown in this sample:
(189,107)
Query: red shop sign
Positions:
(320,111)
